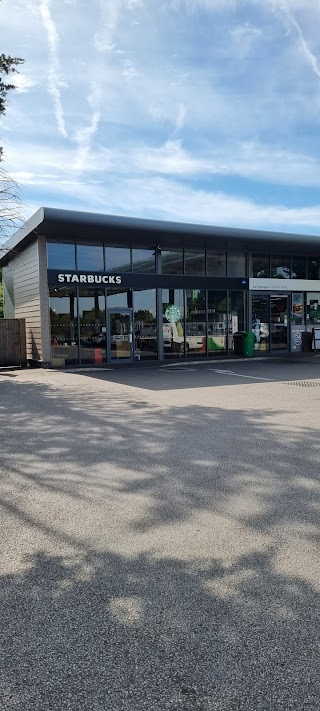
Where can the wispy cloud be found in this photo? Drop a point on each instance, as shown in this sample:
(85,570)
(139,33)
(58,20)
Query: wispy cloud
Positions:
(54,78)
(292,22)
(23,83)
(83,136)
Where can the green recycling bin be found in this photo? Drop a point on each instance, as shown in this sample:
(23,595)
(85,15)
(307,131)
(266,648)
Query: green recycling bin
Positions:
(248,341)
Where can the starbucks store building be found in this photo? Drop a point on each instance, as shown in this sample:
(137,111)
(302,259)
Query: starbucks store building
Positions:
(98,289)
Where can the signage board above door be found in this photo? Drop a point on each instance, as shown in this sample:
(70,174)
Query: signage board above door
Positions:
(256,284)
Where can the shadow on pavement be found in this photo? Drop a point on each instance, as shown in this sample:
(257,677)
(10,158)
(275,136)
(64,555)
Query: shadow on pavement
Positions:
(104,631)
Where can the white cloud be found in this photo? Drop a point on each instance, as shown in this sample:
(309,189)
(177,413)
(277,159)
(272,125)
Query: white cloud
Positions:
(23,83)
(54,78)
(182,111)
(83,136)
(303,45)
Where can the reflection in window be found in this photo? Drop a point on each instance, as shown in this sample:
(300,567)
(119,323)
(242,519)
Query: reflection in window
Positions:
(261,266)
(216,264)
(143,261)
(61,256)
(64,326)
(298,268)
(196,323)
(90,257)
(145,324)
(118,259)
(313,268)
(194,262)
(236,265)
(92,318)
(217,321)
(172,262)
(280,267)
(260,322)
(173,322)
(119,298)
(313,308)
(236,314)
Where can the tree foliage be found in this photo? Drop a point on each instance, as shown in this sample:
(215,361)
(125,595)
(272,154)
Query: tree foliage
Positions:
(10,195)
(8,65)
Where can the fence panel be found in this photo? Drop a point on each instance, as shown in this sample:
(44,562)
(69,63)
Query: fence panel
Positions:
(12,342)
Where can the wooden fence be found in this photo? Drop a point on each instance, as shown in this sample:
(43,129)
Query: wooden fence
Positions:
(13,342)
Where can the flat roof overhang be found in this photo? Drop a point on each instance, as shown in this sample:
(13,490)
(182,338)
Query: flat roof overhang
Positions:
(62,225)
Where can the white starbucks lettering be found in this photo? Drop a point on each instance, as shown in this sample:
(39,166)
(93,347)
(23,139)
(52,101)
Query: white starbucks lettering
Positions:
(89,279)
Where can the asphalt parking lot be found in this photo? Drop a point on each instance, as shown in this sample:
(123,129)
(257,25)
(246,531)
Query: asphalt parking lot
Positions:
(159,542)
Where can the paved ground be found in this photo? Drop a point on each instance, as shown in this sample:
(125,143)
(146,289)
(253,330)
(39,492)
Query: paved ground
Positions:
(159,533)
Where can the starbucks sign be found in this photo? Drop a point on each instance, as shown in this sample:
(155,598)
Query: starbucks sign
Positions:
(172,313)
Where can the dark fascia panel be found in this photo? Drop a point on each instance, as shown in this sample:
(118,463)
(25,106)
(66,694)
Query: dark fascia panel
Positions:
(68,224)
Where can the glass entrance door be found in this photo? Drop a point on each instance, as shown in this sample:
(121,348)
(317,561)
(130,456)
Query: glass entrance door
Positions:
(120,335)
(279,322)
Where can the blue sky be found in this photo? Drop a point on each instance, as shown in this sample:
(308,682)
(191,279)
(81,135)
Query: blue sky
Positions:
(191,110)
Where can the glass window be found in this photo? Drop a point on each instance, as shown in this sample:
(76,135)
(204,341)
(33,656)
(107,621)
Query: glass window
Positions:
(196,323)
(61,256)
(236,265)
(261,266)
(173,322)
(217,321)
(313,268)
(194,262)
(236,314)
(119,298)
(172,262)
(92,318)
(118,259)
(144,261)
(216,264)
(280,267)
(298,267)
(145,324)
(64,326)
(313,307)
(260,322)
(90,257)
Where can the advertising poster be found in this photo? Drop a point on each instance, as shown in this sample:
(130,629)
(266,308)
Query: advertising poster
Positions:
(297,309)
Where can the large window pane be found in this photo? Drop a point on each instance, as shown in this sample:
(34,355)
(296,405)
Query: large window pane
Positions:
(90,257)
(236,314)
(196,323)
(173,322)
(64,326)
(118,259)
(144,261)
(260,322)
(145,324)
(261,266)
(217,321)
(92,318)
(236,264)
(172,262)
(119,298)
(298,268)
(280,267)
(313,268)
(313,307)
(61,256)
(194,262)
(216,264)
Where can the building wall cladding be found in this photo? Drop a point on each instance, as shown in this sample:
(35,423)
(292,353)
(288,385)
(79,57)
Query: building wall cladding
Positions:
(27,297)
(44,301)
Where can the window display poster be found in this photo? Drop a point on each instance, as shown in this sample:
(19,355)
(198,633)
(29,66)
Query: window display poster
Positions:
(297,309)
